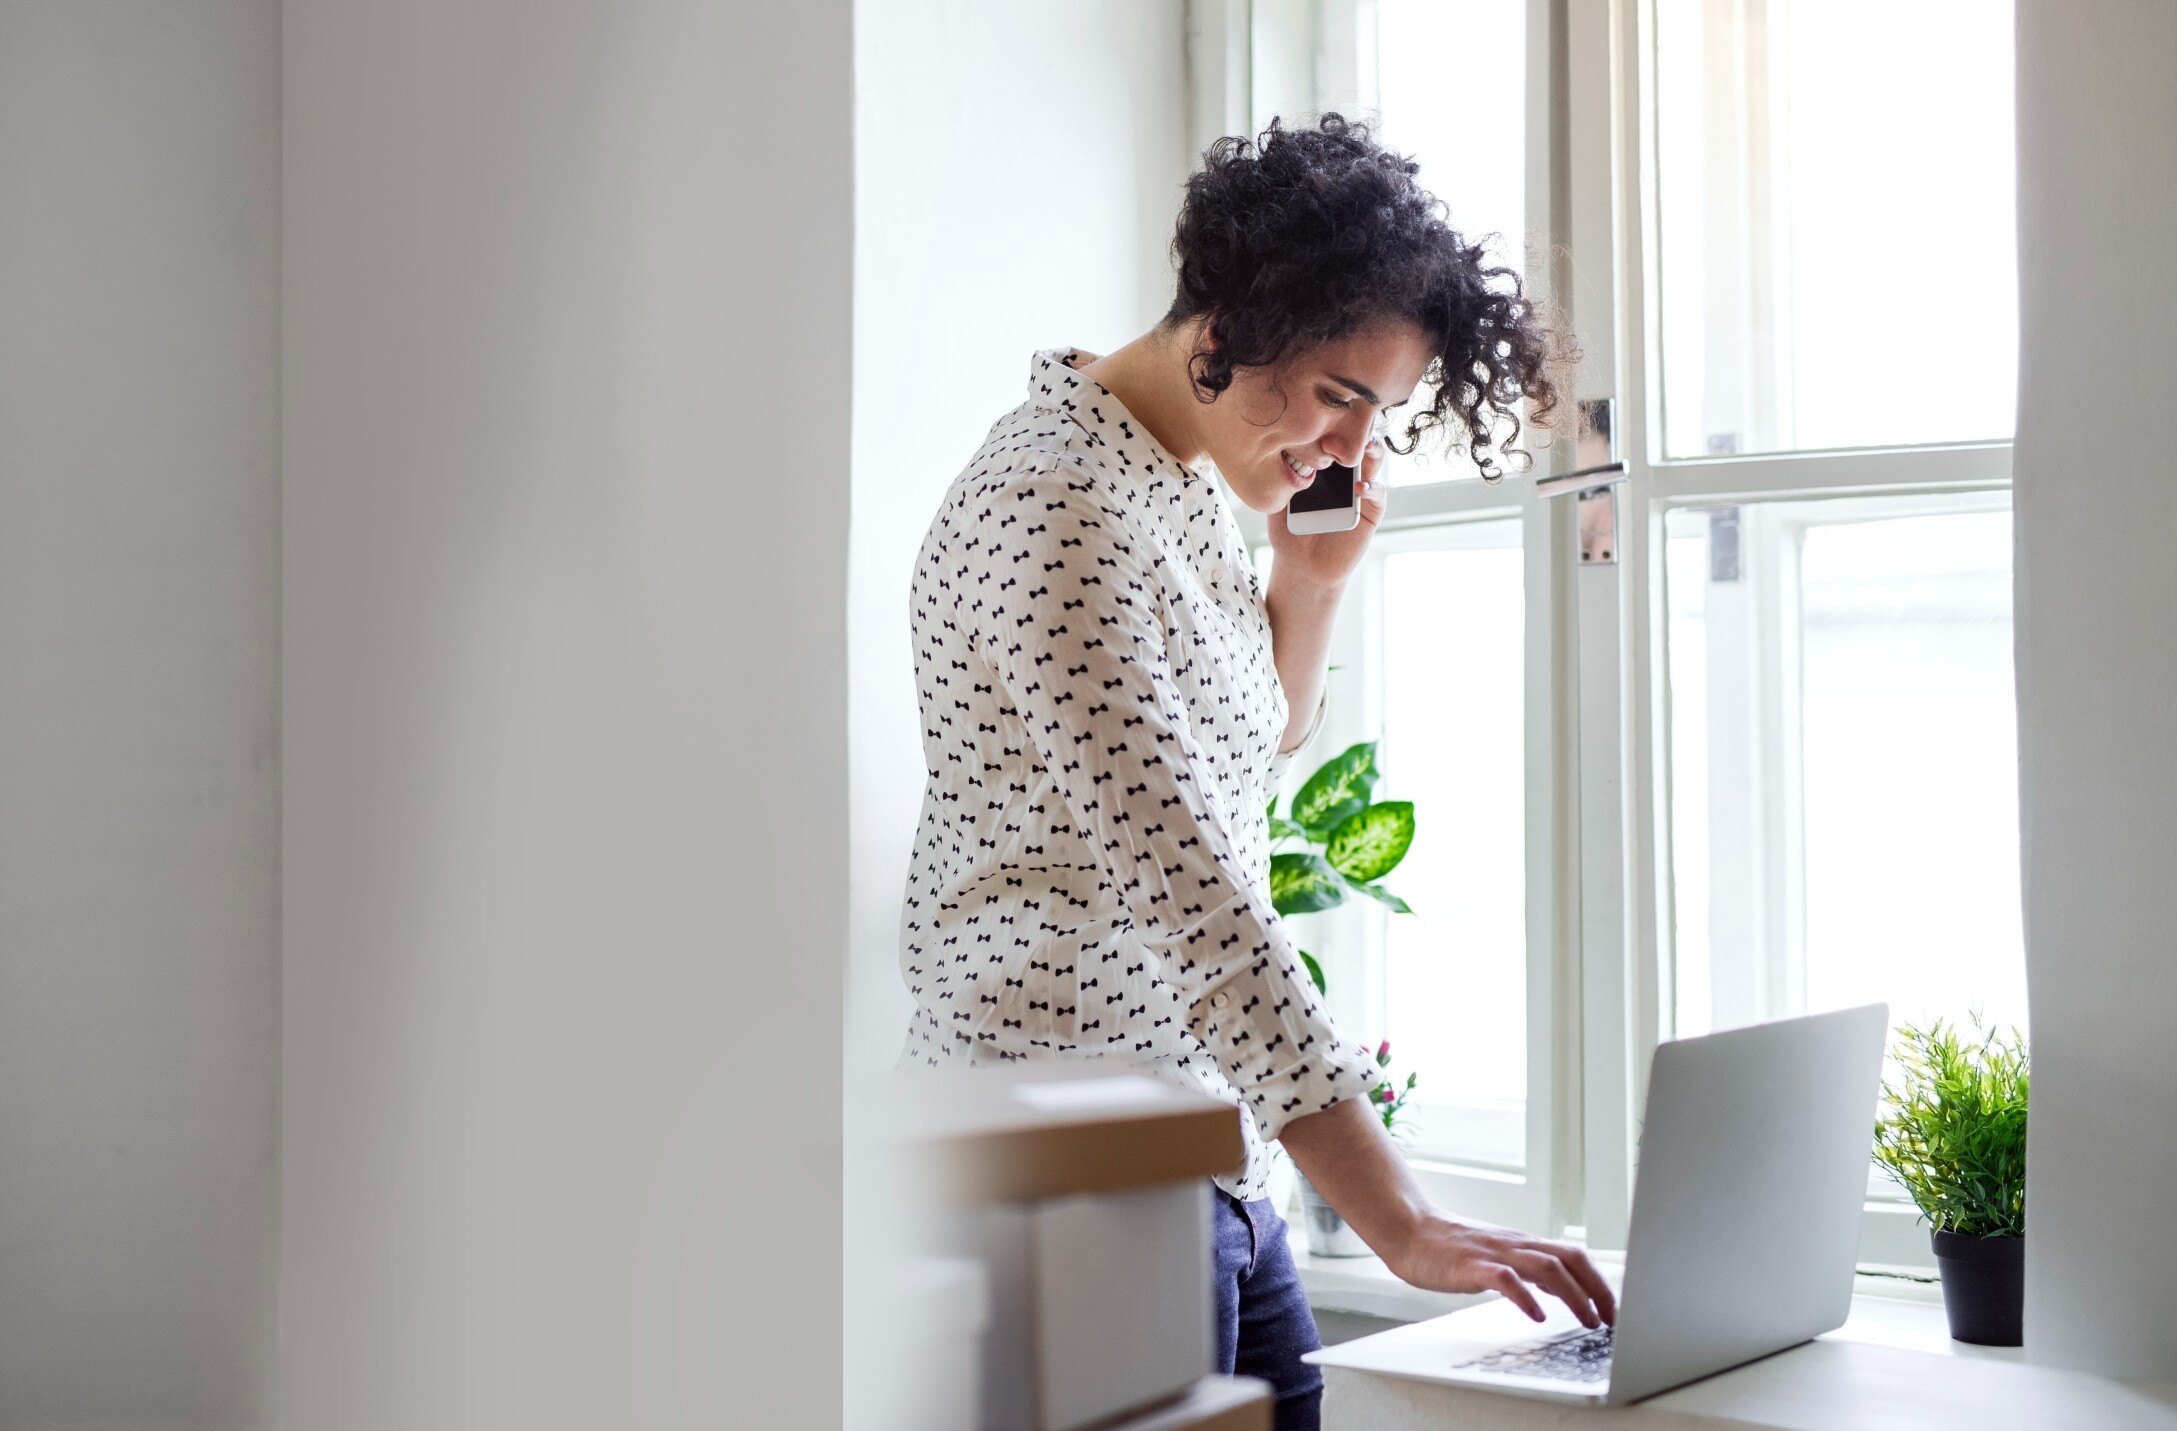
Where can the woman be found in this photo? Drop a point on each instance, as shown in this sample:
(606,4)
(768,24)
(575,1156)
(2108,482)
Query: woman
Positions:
(1110,695)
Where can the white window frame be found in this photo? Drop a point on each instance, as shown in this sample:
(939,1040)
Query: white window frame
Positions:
(1488,1155)
(1756,742)
(1890,1235)
(1521,1192)
(1599,898)
(1768,743)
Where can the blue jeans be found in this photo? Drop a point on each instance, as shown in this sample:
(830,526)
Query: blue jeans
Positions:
(1264,1324)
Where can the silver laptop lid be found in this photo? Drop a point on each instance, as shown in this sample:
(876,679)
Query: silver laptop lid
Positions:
(1746,1207)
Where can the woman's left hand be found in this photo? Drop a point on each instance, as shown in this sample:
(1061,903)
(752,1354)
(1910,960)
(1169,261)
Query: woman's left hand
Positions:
(1326,559)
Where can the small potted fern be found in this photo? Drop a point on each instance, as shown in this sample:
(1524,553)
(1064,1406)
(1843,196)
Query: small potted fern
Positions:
(1336,840)
(1954,1135)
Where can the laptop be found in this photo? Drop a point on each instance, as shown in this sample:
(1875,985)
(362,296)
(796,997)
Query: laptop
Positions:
(1745,1230)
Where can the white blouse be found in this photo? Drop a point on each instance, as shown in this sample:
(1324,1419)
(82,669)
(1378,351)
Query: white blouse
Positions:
(1101,715)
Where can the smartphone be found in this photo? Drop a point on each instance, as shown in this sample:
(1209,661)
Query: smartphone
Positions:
(1331,503)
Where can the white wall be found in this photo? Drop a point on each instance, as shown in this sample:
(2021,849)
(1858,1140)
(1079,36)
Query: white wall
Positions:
(2097,673)
(567,296)
(1018,172)
(139,715)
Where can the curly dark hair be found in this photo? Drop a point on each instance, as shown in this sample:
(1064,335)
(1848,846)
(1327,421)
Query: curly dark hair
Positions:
(1307,236)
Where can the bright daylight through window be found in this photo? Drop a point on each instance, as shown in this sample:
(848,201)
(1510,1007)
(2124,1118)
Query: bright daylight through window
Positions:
(1835,248)
(1470,137)
(1455,971)
(1844,801)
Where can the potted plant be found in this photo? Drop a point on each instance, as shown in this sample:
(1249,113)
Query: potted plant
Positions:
(1333,841)
(1954,1134)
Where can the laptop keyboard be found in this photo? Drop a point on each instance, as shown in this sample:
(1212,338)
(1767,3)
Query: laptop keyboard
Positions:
(1580,1355)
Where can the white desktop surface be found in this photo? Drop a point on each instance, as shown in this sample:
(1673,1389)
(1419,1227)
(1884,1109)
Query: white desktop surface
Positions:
(1891,1367)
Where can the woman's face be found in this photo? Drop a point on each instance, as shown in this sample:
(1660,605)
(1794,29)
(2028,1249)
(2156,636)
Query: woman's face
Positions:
(1271,430)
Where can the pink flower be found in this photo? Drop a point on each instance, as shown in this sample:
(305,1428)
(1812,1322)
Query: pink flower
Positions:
(1384,1094)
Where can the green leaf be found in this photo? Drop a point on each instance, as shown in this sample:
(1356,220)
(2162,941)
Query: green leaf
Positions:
(1368,844)
(1337,789)
(1953,1132)
(1381,895)
(1283,829)
(1303,884)
(1272,811)
(1315,971)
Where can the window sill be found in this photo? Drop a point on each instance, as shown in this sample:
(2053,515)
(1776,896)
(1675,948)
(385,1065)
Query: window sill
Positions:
(1886,1311)
(1891,1365)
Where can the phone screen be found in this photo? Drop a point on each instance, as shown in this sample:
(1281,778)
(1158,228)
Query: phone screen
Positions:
(1332,487)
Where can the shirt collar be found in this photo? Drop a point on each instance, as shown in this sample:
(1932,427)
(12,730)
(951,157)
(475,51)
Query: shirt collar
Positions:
(1055,385)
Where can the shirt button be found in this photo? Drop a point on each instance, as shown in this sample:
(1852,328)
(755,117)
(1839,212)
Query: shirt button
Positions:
(1218,1001)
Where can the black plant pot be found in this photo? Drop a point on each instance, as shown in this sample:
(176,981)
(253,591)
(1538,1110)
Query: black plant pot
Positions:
(1984,1287)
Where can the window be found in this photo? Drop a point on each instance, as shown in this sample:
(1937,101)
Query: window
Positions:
(1811,249)
(1484,185)
(1844,802)
(1760,761)
(1464,709)
(1449,660)
(1436,656)
(1825,803)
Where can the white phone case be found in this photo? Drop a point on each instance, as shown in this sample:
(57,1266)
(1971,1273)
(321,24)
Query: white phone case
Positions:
(1327,519)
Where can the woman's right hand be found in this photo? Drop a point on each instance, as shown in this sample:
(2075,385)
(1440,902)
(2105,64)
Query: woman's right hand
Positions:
(1445,1255)
(1348,1158)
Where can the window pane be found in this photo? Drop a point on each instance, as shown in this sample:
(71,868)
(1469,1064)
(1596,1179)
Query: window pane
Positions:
(1836,195)
(1451,82)
(1455,974)
(1844,797)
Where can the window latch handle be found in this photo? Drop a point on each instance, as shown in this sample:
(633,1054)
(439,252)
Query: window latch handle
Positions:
(1595,449)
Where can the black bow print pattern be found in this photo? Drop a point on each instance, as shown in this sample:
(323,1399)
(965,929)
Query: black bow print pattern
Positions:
(1100,721)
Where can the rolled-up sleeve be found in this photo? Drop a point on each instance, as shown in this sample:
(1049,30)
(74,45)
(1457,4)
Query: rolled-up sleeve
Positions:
(1283,760)
(1060,598)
